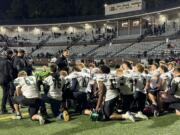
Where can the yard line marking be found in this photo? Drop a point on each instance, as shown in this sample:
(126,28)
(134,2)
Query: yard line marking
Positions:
(10,117)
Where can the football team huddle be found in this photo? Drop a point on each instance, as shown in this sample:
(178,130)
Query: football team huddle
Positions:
(131,91)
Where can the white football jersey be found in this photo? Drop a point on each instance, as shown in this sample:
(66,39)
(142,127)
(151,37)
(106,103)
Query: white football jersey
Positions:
(81,77)
(167,79)
(139,81)
(55,87)
(107,80)
(28,86)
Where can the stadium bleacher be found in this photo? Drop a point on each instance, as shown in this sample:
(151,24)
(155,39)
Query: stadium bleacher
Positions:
(116,38)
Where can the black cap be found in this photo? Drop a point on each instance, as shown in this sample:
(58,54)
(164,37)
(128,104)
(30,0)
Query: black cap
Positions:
(105,69)
(8,52)
(15,50)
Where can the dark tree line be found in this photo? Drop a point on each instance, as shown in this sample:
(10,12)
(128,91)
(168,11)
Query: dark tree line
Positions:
(28,9)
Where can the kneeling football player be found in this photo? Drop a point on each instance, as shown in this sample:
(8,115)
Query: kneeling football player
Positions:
(27,94)
(106,97)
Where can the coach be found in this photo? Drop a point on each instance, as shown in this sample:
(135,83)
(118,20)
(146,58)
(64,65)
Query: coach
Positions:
(62,62)
(20,63)
(6,77)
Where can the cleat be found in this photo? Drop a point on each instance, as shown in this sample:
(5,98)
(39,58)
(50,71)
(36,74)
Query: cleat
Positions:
(41,121)
(66,116)
(141,116)
(130,117)
(17,117)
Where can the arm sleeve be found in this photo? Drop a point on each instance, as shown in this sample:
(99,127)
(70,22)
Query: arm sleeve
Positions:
(88,89)
(74,85)
(101,94)
(47,81)
(58,61)
(18,82)
(10,70)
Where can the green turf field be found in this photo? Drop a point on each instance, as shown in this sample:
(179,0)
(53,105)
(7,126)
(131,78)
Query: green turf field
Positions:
(81,125)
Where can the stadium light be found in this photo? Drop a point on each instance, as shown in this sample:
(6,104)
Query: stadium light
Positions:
(88,26)
(55,29)
(37,31)
(2,29)
(162,19)
(109,27)
(19,29)
(70,29)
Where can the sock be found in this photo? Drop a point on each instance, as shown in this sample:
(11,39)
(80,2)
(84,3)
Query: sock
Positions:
(18,113)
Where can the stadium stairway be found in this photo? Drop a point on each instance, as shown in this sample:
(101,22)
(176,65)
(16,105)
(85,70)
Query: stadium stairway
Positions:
(138,40)
(74,42)
(101,44)
(41,44)
(154,48)
(108,54)
(93,50)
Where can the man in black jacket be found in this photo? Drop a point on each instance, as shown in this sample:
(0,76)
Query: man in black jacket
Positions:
(62,62)
(6,77)
(20,63)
